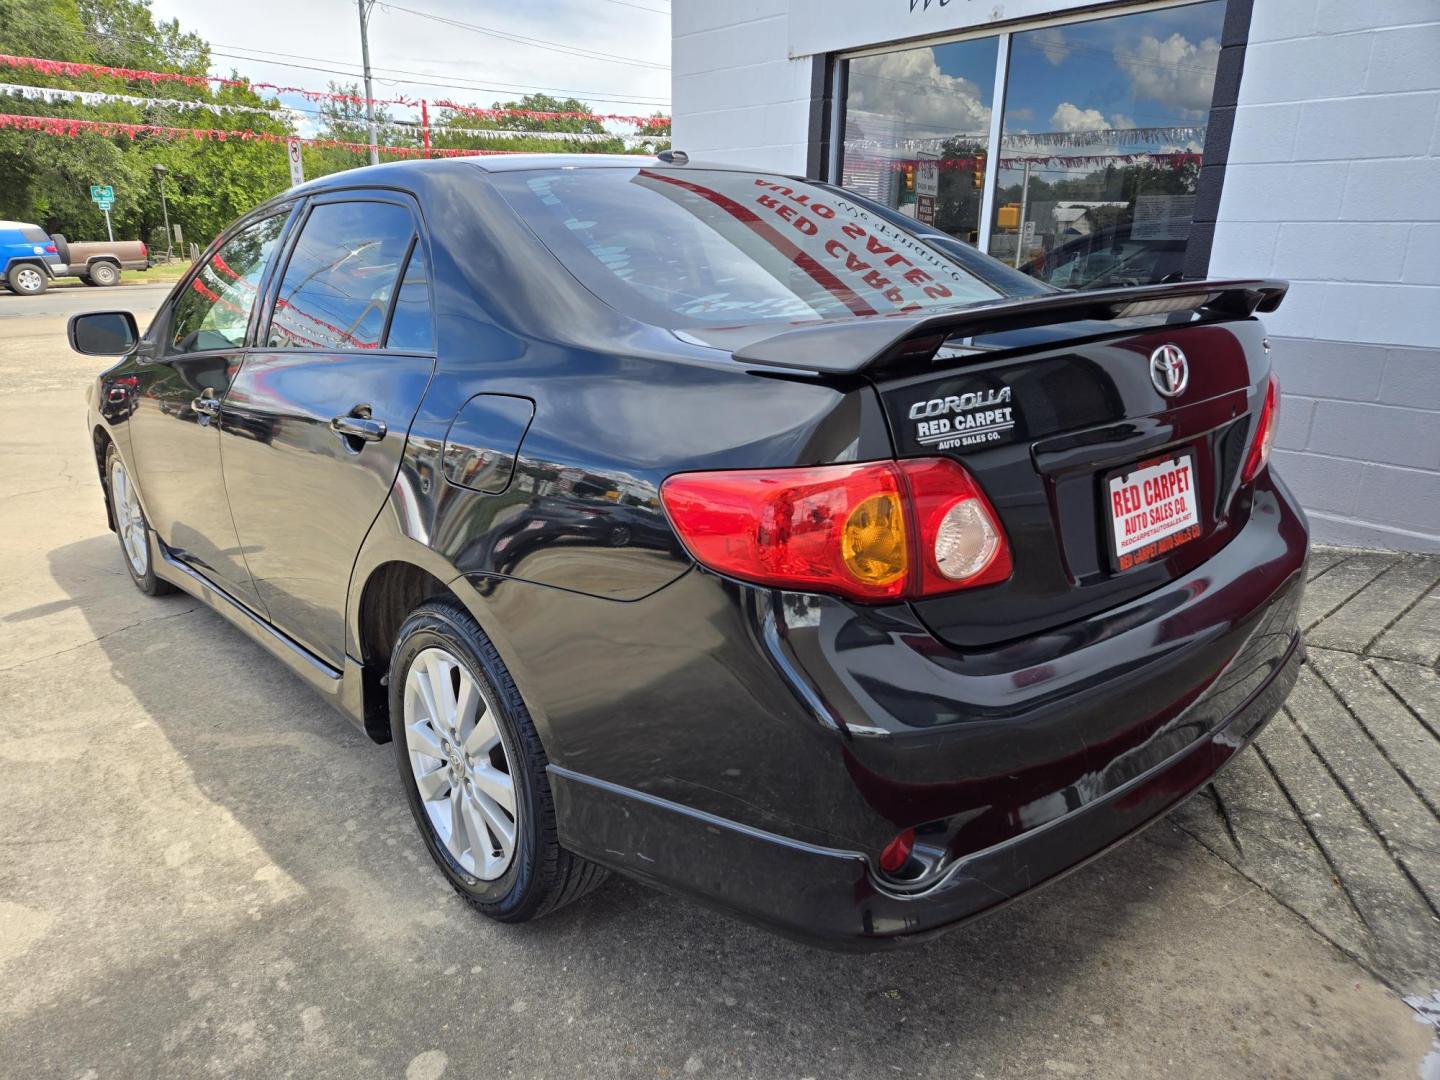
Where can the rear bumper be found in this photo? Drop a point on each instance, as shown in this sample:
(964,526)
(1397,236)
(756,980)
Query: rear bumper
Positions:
(772,790)
(832,897)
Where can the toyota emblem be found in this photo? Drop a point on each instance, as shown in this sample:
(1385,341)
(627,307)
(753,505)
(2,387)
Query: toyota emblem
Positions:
(1169,370)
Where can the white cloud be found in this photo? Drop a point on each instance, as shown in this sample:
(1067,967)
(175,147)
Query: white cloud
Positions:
(1052,43)
(1174,72)
(910,87)
(1068,117)
(1120,120)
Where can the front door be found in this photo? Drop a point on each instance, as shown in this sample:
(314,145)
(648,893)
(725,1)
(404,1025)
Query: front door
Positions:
(195,350)
(315,422)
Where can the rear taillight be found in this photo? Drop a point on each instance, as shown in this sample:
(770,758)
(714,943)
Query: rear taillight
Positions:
(1264,431)
(51,249)
(884,530)
(144,251)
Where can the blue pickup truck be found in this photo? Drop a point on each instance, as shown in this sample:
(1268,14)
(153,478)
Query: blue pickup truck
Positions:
(28,258)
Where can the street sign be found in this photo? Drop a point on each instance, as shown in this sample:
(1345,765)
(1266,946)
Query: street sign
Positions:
(104,197)
(297,167)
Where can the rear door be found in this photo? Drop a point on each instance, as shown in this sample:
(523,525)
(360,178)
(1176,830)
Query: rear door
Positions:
(315,423)
(194,350)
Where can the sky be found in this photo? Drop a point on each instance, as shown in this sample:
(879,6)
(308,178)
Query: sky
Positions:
(1150,69)
(282,41)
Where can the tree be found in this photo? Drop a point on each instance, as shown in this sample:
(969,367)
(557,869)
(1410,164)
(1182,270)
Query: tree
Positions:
(46,178)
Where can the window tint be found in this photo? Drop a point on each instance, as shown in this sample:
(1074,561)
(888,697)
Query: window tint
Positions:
(341,275)
(410,326)
(215,309)
(725,247)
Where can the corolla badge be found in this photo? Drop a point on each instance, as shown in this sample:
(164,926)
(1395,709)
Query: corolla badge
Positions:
(1169,370)
(964,420)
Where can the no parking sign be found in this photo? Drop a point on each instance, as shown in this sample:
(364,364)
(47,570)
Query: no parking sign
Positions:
(297,168)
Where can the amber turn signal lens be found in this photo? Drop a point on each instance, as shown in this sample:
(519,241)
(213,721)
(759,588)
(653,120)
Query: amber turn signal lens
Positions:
(873,540)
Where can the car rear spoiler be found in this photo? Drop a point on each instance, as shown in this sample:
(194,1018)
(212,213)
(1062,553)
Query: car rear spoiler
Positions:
(849,346)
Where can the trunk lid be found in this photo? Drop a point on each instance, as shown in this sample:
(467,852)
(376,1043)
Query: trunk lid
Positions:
(1045,402)
(1044,431)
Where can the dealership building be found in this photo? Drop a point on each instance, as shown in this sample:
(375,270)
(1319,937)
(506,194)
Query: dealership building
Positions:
(1103,144)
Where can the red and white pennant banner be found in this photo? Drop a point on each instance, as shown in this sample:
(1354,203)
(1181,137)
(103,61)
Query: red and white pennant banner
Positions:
(70,127)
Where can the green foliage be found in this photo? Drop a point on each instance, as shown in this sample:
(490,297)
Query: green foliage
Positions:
(46,179)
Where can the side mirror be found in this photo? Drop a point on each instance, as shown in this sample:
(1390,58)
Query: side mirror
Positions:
(103,333)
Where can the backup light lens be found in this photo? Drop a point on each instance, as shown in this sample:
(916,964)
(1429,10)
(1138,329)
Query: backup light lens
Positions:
(1264,431)
(885,530)
(965,542)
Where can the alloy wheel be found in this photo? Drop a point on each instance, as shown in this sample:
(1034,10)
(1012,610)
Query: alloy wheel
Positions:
(461,768)
(28,279)
(129,519)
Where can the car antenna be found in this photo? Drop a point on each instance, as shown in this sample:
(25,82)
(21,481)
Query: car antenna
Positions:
(674,157)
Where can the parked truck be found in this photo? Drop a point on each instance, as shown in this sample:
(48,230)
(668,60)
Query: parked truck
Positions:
(99,262)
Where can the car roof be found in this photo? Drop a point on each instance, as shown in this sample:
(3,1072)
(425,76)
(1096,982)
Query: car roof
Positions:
(497,163)
(18,225)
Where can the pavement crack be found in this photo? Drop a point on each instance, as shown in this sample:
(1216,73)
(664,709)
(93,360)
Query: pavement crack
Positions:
(1405,611)
(1370,823)
(1314,836)
(1379,748)
(1401,697)
(1226,820)
(100,637)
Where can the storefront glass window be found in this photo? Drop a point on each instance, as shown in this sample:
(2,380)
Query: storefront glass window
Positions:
(1103,130)
(916,127)
(1100,149)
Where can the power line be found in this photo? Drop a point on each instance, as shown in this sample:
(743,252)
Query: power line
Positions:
(639,7)
(537,43)
(428,80)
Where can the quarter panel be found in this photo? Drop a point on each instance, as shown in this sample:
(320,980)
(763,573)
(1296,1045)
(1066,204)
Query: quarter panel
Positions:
(583,510)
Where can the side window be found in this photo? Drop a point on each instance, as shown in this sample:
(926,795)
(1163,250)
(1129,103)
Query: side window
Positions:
(341,276)
(410,327)
(214,311)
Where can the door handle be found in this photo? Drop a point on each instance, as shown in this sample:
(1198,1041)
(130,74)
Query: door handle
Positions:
(358,424)
(207,404)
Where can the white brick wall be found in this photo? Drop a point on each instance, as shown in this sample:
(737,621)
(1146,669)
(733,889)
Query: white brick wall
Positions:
(1333,182)
(735,94)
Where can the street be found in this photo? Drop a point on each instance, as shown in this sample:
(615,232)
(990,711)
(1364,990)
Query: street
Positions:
(66,297)
(206,871)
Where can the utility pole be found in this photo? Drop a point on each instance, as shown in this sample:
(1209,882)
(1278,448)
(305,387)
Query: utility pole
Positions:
(160,172)
(365,7)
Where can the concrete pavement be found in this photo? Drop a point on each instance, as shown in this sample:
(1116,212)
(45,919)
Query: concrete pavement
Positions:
(205,871)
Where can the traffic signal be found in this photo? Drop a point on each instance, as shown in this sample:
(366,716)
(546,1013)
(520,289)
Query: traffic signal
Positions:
(977,178)
(909,176)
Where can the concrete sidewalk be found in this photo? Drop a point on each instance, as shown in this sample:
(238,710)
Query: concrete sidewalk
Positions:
(1337,813)
(205,871)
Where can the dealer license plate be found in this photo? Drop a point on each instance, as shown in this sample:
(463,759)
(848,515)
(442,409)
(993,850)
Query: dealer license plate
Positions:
(1153,509)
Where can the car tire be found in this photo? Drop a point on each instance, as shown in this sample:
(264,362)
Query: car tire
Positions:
(85,279)
(62,247)
(104,274)
(440,648)
(27,279)
(130,526)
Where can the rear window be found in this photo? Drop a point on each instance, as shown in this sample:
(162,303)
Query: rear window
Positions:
(711,247)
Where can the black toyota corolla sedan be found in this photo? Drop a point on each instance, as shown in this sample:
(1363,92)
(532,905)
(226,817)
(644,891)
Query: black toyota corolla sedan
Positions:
(716,527)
